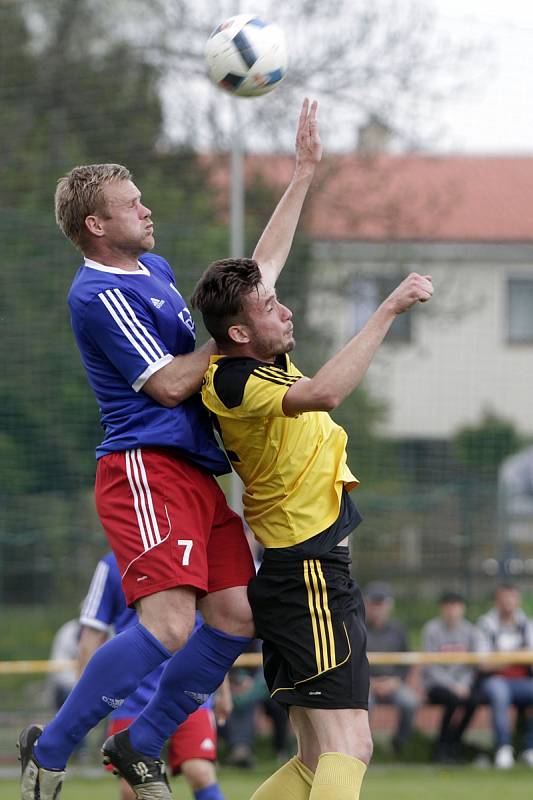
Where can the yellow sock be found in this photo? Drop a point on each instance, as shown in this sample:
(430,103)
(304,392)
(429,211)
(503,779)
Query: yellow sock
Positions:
(292,781)
(337,777)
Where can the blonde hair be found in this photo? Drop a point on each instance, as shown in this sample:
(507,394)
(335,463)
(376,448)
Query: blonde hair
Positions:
(80,193)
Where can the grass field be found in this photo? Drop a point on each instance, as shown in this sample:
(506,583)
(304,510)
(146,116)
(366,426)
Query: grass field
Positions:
(382,783)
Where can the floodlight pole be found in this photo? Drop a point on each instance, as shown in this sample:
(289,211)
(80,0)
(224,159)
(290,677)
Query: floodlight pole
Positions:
(236,240)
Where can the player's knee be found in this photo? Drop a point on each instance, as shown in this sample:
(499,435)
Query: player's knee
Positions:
(360,744)
(175,637)
(229,611)
(199,773)
(172,631)
(365,748)
(169,615)
(239,626)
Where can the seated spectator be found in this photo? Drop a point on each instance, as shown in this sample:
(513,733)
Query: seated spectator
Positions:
(65,647)
(451,685)
(250,694)
(506,627)
(388,683)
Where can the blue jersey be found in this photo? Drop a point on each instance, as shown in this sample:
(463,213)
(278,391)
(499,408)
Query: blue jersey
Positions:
(105,609)
(128,325)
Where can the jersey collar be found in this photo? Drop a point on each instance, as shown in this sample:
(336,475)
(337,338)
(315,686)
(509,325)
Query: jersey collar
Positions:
(283,361)
(116,270)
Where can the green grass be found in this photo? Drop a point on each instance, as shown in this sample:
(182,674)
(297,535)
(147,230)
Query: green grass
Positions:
(381,783)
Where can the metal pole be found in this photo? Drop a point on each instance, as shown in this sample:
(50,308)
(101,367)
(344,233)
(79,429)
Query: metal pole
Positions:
(236,243)
(237,186)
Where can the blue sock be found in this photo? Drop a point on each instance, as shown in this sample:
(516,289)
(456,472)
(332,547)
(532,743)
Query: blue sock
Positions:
(191,675)
(213,792)
(114,672)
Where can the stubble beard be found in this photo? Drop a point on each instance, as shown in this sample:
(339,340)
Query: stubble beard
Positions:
(279,350)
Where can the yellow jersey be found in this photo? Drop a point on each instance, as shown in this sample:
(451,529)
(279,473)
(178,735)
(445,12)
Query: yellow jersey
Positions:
(293,468)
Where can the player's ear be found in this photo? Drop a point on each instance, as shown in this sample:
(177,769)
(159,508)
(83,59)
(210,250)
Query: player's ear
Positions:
(93,224)
(239,334)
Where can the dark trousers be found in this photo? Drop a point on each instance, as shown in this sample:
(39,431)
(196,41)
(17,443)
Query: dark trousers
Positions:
(456,715)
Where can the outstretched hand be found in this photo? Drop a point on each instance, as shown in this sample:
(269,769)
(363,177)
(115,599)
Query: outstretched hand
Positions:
(415,288)
(308,144)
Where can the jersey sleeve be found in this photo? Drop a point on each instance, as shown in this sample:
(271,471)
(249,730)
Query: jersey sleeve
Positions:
(101,606)
(250,388)
(119,324)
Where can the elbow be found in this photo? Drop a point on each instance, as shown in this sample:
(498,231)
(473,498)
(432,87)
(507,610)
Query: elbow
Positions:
(330,402)
(308,395)
(326,400)
(168,395)
(168,401)
(172,397)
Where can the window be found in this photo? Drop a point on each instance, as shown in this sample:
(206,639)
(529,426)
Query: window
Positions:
(520,310)
(368,293)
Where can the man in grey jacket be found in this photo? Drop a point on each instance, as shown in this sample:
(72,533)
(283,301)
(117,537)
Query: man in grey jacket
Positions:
(451,685)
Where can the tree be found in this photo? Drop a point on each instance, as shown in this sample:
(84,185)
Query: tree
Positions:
(70,92)
(386,60)
(481,448)
(88,80)
(77,95)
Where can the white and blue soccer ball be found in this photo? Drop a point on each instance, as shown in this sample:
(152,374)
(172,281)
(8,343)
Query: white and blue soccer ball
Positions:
(246,56)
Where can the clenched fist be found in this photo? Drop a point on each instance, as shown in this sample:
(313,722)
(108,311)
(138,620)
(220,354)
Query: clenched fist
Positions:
(415,288)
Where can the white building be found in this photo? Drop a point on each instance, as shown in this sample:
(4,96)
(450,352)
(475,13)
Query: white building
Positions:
(468,351)
(467,221)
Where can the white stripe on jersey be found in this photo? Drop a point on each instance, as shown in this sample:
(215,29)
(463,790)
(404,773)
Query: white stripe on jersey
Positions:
(96,590)
(150,370)
(142,498)
(131,312)
(142,347)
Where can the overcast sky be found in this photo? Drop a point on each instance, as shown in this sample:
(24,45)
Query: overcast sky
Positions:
(496,115)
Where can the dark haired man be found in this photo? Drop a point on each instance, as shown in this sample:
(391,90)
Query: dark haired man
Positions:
(389,683)
(291,457)
(451,685)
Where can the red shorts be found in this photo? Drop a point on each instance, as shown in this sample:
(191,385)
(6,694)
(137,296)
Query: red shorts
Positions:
(195,738)
(169,525)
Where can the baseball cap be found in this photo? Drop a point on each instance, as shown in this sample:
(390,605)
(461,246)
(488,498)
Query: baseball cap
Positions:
(377,591)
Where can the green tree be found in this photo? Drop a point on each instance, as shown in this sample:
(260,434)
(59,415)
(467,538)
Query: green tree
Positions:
(81,98)
(481,448)
(71,91)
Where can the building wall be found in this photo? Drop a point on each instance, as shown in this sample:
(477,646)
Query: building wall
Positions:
(458,362)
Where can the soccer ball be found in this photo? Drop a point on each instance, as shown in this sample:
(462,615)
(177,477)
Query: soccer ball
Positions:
(246,56)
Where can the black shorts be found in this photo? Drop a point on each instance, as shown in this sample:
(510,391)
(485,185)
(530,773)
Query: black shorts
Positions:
(310,615)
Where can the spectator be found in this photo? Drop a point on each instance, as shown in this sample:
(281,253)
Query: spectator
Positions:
(506,627)
(451,685)
(250,694)
(65,646)
(388,683)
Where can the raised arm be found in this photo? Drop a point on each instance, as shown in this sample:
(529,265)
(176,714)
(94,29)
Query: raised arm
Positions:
(341,374)
(275,243)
